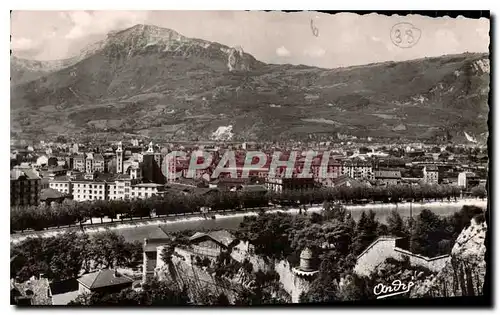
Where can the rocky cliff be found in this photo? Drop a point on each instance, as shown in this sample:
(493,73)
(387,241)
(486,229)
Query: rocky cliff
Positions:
(464,274)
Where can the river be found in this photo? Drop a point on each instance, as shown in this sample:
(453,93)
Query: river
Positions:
(139,231)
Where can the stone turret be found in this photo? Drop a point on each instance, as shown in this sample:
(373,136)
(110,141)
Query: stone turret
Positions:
(306,257)
(307,265)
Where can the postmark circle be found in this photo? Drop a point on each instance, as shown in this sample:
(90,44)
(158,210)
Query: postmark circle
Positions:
(405,35)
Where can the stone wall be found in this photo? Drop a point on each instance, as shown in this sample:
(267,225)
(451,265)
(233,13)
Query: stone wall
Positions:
(197,280)
(434,264)
(292,284)
(385,247)
(375,254)
(244,250)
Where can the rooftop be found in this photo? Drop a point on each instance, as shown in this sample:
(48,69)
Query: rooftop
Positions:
(103,278)
(16,174)
(151,243)
(153,185)
(50,193)
(306,254)
(254,188)
(344,179)
(431,167)
(101,177)
(389,174)
(223,236)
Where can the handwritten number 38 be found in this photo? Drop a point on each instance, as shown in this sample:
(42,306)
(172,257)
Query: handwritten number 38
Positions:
(399,38)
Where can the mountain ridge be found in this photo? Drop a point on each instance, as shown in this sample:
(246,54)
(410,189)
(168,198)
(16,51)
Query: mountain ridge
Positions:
(155,82)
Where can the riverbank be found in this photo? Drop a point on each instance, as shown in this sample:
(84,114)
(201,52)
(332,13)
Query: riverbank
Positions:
(482,203)
(157,227)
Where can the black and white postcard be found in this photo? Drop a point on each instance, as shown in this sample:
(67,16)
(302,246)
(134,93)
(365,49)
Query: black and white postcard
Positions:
(179,158)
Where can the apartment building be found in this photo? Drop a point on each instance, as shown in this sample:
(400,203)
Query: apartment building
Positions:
(279,184)
(25,187)
(388,176)
(146,190)
(79,162)
(332,170)
(91,187)
(431,174)
(61,184)
(119,189)
(467,180)
(358,170)
(89,163)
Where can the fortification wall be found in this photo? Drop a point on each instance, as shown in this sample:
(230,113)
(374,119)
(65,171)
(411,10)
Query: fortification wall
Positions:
(292,284)
(385,247)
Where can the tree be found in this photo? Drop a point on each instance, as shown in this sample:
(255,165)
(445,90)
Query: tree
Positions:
(269,232)
(354,288)
(61,139)
(247,297)
(52,161)
(478,191)
(444,156)
(82,299)
(334,212)
(324,287)
(58,257)
(164,293)
(206,297)
(395,225)
(364,150)
(428,231)
(382,229)
(155,293)
(366,232)
(461,219)
(108,249)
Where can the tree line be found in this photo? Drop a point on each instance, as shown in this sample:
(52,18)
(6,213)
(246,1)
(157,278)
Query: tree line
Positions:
(70,212)
(68,255)
(334,237)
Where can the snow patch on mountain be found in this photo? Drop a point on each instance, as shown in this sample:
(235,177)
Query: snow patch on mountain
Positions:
(223,133)
(469,137)
(482,65)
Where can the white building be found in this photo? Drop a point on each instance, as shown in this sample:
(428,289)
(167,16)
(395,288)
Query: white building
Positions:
(358,170)
(467,180)
(146,190)
(42,160)
(88,187)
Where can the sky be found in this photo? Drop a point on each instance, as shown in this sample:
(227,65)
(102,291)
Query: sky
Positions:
(309,38)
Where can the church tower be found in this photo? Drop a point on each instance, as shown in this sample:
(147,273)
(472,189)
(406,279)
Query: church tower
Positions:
(150,148)
(119,158)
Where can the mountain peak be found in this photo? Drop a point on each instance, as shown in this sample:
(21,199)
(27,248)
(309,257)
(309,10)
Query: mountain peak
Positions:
(147,31)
